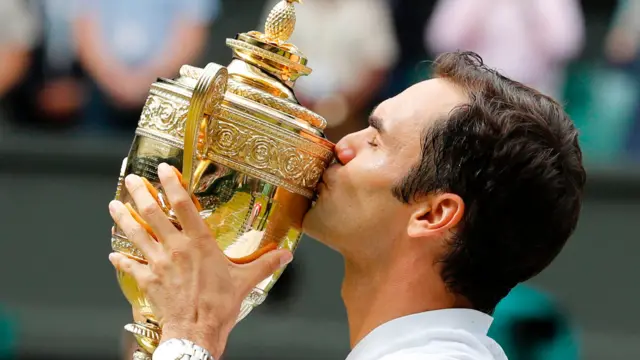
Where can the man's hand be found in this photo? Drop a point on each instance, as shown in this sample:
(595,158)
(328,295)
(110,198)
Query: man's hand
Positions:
(195,290)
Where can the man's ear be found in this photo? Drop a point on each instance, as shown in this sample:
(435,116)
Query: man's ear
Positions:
(436,213)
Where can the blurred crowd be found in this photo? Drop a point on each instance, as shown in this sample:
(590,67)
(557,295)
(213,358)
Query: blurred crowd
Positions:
(86,66)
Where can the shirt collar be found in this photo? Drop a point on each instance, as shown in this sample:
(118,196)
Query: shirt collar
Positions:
(398,330)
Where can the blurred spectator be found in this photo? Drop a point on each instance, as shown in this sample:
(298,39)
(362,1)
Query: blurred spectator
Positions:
(351,48)
(528,40)
(529,325)
(622,50)
(18,35)
(409,19)
(60,97)
(50,95)
(624,37)
(125,45)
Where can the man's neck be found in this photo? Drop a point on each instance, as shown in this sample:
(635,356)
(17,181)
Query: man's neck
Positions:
(374,294)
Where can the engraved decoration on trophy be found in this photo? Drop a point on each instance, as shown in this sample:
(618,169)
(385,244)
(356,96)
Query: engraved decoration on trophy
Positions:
(248,153)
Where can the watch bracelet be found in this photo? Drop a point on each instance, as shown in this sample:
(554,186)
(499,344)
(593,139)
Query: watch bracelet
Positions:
(190,351)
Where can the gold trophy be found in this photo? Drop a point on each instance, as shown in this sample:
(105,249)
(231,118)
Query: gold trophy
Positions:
(249,154)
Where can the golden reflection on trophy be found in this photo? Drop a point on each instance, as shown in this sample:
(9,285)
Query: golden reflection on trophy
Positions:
(249,154)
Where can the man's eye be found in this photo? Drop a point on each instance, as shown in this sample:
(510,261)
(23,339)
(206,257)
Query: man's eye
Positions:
(373,142)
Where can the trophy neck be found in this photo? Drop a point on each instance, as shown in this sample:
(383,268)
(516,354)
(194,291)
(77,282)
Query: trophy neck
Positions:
(251,75)
(283,62)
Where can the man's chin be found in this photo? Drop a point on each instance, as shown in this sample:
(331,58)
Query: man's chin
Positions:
(309,221)
(313,223)
(315,226)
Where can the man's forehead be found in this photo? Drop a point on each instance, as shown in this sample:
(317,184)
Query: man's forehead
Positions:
(420,104)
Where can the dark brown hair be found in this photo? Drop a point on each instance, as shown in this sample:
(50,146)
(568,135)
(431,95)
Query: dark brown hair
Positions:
(512,155)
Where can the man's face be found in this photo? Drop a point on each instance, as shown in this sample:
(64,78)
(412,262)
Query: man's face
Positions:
(356,212)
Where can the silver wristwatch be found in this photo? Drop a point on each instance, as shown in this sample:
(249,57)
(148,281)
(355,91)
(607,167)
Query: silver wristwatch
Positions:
(180,349)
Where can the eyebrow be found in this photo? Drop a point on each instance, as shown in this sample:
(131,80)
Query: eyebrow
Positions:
(376,123)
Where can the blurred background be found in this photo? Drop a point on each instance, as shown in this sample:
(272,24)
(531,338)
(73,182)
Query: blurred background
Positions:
(73,78)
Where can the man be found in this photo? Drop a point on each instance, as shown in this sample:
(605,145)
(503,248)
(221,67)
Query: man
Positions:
(462,187)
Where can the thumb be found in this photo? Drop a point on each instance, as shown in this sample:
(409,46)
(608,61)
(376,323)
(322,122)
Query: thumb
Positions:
(264,266)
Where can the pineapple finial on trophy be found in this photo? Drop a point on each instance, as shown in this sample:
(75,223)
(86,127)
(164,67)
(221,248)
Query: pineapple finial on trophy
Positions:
(270,50)
(281,21)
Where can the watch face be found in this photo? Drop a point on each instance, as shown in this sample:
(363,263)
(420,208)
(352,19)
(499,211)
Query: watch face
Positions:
(170,350)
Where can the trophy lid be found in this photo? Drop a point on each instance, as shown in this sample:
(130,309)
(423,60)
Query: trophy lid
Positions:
(266,67)
(270,51)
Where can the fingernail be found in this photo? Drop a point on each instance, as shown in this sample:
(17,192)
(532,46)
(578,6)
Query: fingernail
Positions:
(164,168)
(113,257)
(130,178)
(286,259)
(113,206)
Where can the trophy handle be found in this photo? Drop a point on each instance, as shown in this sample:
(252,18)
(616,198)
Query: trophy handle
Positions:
(207,97)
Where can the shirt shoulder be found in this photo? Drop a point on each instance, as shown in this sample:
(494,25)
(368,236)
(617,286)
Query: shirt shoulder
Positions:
(447,334)
(422,356)
(451,345)
(442,354)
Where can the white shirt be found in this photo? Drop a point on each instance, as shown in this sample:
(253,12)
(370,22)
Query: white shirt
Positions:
(450,334)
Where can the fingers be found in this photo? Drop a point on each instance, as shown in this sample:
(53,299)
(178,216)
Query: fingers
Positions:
(152,190)
(134,231)
(256,254)
(125,264)
(264,266)
(184,185)
(140,220)
(140,272)
(182,204)
(149,208)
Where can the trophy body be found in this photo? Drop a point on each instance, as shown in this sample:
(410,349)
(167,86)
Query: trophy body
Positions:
(250,155)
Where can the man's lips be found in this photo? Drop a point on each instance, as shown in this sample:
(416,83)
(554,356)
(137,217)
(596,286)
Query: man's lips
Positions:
(325,179)
(319,188)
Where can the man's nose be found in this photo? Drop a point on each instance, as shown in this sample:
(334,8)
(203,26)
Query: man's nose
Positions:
(344,151)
